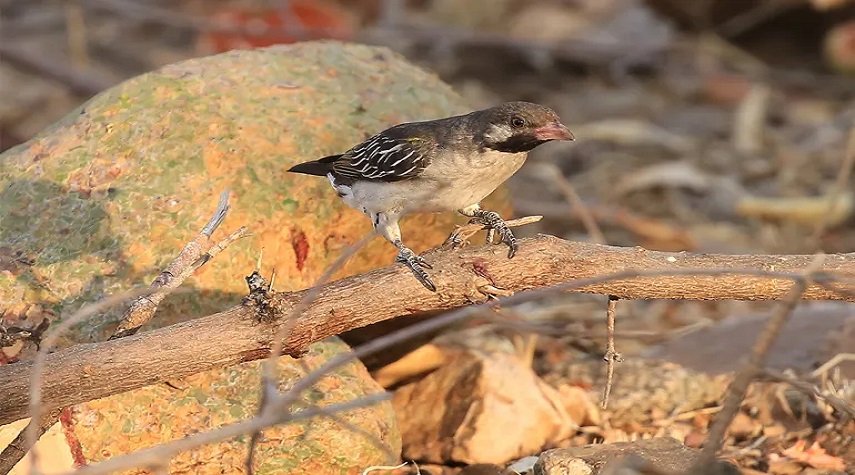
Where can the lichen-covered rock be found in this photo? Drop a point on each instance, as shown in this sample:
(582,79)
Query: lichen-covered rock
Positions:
(104,199)
(129,421)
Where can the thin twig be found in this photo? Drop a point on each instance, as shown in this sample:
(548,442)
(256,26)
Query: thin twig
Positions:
(33,431)
(840,185)
(611,355)
(839,404)
(176,19)
(834,361)
(466,231)
(18,448)
(269,392)
(161,452)
(191,257)
(375,468)
(75,29)
(84,83)
(344,423)
(285,328)
(757,361)
(372,439)
(754,17)
(219,216)
(577,206)
(249,463)
(139,312)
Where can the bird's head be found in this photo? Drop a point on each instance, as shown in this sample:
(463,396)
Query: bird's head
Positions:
(516,127)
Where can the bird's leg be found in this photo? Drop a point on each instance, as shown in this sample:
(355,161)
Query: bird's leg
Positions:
(495,225)
(416,264)
(387,226)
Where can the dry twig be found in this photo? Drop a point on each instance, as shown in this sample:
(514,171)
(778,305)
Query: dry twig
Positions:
(138,313)
(269,391)
(611,355)
(191,257)
(577,206)
(155,455)
(466,231)
(840,405)
(80,82)
(757,361)
(837,191)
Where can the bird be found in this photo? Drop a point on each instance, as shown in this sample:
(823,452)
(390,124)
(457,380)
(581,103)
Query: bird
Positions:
(447,164)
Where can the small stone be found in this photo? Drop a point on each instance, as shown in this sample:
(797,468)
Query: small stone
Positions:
(662,452)
(563,466)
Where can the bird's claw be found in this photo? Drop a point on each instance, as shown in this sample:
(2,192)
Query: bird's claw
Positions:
(491,236)
(496,225)
(417,265)
(454,240)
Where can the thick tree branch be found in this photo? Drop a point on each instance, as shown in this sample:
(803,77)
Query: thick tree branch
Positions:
(91,371)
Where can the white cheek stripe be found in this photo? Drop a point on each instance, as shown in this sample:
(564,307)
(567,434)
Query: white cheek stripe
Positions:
(498,133)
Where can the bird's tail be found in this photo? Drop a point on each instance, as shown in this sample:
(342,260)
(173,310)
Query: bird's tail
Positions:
(316,167)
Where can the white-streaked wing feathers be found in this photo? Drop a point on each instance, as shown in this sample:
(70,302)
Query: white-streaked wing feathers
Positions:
(381,158)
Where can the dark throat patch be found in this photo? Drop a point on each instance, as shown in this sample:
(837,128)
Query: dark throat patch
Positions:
(516,144)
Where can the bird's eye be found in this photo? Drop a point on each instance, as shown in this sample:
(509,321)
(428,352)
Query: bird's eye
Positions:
(517,122)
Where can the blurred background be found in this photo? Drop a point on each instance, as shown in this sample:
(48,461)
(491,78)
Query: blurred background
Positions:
(702,125)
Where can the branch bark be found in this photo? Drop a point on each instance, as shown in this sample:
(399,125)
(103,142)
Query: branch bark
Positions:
(91,371)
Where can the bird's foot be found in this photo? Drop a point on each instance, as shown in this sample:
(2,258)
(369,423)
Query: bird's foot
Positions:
(496,225)
(417,265)
(455,240)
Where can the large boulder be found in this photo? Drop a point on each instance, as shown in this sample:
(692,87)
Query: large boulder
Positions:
(103,200)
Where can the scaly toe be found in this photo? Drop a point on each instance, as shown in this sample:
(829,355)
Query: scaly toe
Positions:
(491,236)
(454,241)
(416,263)
(512,249)
(423,262)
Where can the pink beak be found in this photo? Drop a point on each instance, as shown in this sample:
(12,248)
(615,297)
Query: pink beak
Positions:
(554,131)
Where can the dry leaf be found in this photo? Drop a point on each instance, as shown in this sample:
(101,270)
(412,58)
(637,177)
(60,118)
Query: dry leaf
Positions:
(806,210)
(630,132)
(420,361)
(579,406)
(743,427)
(666,174)
(814,456)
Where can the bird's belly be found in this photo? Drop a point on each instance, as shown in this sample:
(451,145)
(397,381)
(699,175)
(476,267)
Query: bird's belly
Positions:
(459,195)
(440,188)
(473,182)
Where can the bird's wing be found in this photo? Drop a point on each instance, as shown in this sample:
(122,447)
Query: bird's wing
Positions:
(382,158)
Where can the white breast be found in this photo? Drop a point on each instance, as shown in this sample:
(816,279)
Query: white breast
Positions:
(476,176)
(445,185)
